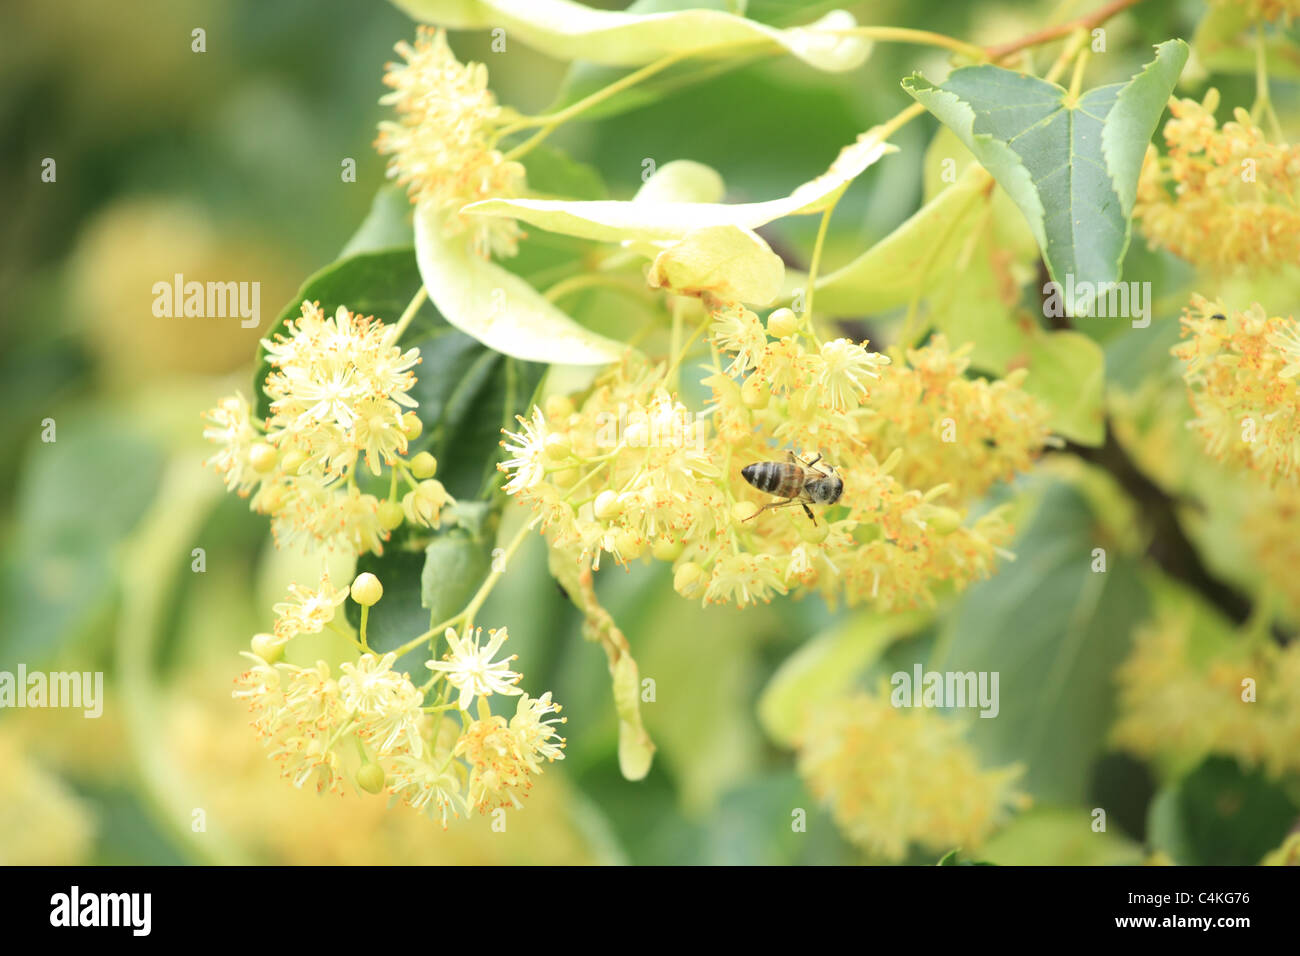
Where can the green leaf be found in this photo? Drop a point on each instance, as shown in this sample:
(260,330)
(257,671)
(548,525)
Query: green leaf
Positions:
(572,31)
(553,171)
(59,571)
(457,560)
(1054,631)
(828,666)
(913,256)
(659,221)
(1067,370)
(1220,815)
(497,307)
(1071,166)
(386,226)
(1057,836)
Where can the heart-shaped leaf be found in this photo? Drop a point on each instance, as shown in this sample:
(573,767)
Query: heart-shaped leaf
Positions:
(1071,165)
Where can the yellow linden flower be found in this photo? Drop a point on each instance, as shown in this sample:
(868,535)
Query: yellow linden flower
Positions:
(962,432)
(388,707)
(630,471)
(309,610)
(1235,199)
(232,428)
(442,142)
(430,786)
(1176,700)
(501,762)
(1240,371)
(469,667)
(338,388)
(894,777)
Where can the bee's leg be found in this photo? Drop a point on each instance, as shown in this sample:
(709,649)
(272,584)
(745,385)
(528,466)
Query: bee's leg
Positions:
(808,512)
(814,461)
(783,503)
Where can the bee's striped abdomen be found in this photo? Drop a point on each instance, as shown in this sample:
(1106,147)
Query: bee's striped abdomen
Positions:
(783,479)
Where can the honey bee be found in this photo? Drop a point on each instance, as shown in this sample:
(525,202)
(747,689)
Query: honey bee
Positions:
(797,481)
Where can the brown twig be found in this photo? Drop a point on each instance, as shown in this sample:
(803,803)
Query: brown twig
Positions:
(1085,22)
(1170,548)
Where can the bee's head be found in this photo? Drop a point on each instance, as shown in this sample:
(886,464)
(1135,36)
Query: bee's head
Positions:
(827,491)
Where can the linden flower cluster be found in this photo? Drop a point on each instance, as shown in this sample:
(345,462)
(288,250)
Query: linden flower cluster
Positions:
(339,389)
(1241,373)
(894,777)
(1174,701)
(1236,197)
(631,471)
(442,141)
(968,433)
(372,723)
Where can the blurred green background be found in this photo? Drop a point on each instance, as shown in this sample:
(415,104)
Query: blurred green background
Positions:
(225,165)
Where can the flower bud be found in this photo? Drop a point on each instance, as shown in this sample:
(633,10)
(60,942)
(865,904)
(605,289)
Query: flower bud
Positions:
(424,465)
(607,505)
(943,520)
(743,510)
(268,647)
(689,579)
(424,505)
(666,550)
(566,478)
(366,589)
(782,322)
(293,461)
(262,457)
(558,447)
(629,544)
(412,426)
(558,408)
(390,515)
(370,778)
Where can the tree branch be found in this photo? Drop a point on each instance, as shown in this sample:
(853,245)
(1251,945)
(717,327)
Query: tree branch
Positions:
(1170,548)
